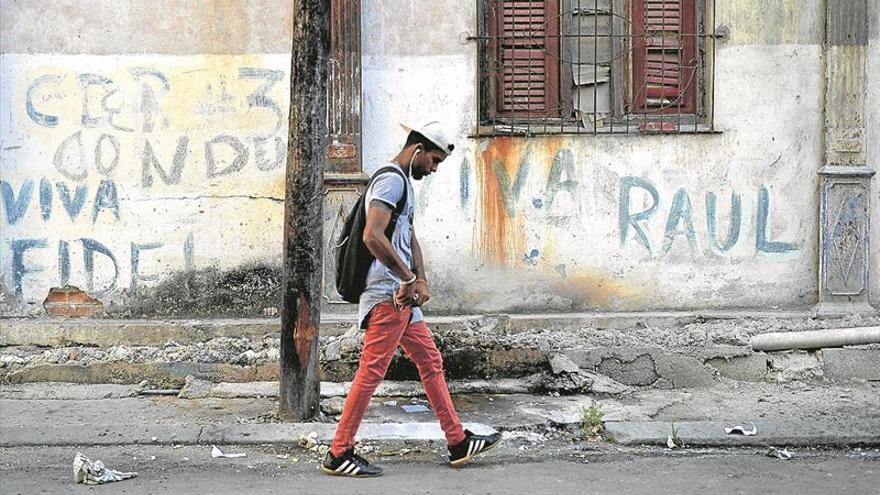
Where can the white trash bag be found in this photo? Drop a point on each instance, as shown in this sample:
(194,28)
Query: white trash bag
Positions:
(95,473)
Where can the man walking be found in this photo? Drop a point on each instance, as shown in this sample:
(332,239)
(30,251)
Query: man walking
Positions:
(389,308)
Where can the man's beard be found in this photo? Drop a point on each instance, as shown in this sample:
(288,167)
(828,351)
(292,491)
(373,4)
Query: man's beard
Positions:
(417,175)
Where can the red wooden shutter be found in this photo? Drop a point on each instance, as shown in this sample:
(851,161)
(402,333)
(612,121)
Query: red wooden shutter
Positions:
(664,56)
(525,57)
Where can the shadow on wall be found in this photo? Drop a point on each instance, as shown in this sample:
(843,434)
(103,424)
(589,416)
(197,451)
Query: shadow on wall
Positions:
(243,292)
(247,291)
(9,305)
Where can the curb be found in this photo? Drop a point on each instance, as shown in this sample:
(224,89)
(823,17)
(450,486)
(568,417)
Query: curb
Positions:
(185,434)
(801,433)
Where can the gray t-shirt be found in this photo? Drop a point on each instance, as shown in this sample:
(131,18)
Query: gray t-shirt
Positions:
(381,282)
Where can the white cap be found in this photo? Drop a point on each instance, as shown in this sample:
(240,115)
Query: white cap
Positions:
(435,133)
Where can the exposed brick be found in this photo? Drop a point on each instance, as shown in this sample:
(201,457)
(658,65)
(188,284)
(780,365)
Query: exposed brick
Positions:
(71,302)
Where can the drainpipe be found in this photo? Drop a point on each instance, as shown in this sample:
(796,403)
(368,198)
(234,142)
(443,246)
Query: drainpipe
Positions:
(845,178)
(816,339)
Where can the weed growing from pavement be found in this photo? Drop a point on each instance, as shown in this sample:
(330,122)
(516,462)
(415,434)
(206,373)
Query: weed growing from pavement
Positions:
(170,384)
(672,441)
(593,422)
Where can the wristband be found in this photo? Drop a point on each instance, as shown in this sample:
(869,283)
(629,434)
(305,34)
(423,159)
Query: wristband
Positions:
(410,281)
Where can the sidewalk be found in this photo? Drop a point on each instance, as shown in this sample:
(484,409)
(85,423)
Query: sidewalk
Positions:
(797,413)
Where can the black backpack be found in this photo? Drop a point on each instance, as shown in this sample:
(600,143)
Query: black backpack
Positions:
(353,259)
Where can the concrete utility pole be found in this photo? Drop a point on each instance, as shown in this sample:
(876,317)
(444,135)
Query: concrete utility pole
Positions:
(303,232)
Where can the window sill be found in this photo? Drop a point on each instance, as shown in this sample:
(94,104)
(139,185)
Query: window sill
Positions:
(633,126)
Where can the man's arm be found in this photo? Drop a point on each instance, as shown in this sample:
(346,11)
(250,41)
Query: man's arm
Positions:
(422,283)
(418,261)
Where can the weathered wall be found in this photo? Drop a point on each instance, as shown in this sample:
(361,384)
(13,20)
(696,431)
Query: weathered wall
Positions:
(508,224)
(143,153)
(546,225)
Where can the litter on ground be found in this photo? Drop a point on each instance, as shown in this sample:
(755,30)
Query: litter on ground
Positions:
(95,473)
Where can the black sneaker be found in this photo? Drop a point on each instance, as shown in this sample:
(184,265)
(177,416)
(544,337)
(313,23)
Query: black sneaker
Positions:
(350,464)
(471,446)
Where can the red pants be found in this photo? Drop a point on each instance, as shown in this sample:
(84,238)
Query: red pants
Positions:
(386,329)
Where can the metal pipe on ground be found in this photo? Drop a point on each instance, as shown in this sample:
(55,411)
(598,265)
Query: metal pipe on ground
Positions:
(815,339)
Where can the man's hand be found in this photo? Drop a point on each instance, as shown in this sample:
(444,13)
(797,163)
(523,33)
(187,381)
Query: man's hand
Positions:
(405,296)
(422,292)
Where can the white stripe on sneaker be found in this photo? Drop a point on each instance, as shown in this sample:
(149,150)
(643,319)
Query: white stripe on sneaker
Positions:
(471,445)
(351,468)
(356,471)
(480,446)
(343,466)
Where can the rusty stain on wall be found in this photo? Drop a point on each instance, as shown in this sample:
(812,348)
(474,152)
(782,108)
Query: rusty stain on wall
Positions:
(500,237)
(504,166)
(517,175)
(596,290)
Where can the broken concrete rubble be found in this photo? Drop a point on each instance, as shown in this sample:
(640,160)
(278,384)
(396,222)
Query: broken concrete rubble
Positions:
(643,366)
(751,368)
(489,347)
(849,363)
(794,365)
(565,377)
(560,363)
(332,406)
(602,385)
(682,371)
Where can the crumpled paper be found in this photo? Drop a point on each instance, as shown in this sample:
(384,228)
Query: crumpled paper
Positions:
(95,473)
(783,454)
(216,452)
(742,429)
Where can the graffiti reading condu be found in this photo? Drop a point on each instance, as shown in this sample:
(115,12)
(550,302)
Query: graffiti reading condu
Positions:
(114,172)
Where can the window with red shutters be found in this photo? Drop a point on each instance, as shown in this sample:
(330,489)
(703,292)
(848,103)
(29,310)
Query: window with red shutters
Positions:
(664,56)
(524,57)
(595,66)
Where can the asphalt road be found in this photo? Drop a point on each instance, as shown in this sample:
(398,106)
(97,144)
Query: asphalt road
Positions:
(184,470)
